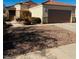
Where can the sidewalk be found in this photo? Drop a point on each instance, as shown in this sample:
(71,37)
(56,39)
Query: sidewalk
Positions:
(61,52)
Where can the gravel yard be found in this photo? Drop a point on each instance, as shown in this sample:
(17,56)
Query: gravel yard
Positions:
(21,40)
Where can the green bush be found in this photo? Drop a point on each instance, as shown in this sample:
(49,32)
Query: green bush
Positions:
(35,20)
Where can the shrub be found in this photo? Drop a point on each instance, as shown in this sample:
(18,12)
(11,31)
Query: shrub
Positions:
(35,20)
(23,21)
(25,17)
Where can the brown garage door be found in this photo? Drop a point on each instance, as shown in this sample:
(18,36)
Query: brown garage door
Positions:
(58,16)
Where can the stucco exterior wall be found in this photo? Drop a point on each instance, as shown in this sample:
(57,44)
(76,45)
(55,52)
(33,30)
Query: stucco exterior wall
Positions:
(37,11)
(18,8)
(46,7)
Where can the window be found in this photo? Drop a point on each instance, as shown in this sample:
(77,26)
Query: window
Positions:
(12,12)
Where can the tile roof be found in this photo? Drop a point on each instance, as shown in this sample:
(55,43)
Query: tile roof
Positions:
(56,3)
(29,3)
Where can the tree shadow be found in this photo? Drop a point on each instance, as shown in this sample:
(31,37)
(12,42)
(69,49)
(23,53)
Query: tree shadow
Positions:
(22,40)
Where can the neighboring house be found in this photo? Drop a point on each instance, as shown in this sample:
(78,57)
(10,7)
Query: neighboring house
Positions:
(15,10)
(54,12)
(49,11)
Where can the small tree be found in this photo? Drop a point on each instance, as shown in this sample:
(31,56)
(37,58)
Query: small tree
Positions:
(25,17)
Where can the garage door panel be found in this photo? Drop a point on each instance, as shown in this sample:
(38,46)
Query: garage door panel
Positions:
(58,16)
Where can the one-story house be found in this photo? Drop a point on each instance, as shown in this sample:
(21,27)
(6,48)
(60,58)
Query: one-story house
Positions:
(48,12)
(54,12)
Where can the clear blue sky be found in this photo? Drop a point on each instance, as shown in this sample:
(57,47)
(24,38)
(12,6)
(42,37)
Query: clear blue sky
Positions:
(12,2)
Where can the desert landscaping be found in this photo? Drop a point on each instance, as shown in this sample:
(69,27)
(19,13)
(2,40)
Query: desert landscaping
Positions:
(31,38)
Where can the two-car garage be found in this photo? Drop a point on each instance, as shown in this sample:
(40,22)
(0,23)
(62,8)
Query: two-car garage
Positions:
(54,12)
(59,16)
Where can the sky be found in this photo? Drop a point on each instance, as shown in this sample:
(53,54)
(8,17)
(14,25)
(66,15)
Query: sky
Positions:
(12,2)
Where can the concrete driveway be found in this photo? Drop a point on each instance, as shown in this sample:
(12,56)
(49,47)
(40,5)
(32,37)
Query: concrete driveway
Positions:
(68,26)
(61,52)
